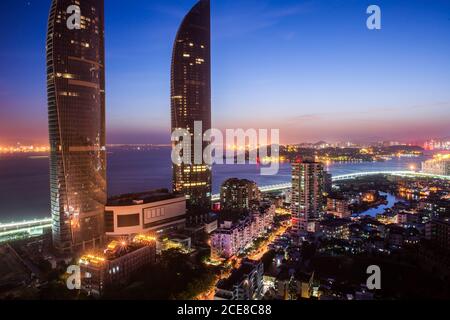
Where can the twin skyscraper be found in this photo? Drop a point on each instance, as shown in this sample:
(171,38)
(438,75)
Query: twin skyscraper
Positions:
(76,113)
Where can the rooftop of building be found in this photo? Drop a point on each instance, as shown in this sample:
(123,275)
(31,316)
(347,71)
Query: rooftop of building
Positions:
(306,161)
(395,229)
(237,181)
(370,220)
(336,196)
(116,249)
(238,275)
(142,198)
(264,205)
(441,221)
(227,225)
(176,236)
(335,222)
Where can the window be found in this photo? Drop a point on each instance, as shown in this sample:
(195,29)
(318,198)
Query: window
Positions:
(130,220)
(152,213)
(109,221)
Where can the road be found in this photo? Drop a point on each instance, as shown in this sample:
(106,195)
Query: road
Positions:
(236,262)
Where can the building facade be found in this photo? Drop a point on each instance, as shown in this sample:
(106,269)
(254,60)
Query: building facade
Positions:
(338,207)
(307,193)
(335,228)
(76,114)
(238,194)
(191,102)
(440,165)
(245,283)
(438,232)
(117,264)
(230,238)
(153,212)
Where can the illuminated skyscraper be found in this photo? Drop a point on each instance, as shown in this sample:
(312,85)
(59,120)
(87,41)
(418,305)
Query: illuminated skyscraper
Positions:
(76,112)
(191,98)
(307,193)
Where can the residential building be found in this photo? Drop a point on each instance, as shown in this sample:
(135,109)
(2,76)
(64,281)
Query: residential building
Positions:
(338,206)
(307,193)
(231,238)
(245,283)
(335,228)
(438,232)
(238,194)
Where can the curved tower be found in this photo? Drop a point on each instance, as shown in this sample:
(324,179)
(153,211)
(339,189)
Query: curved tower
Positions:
(76,113)
(191,98)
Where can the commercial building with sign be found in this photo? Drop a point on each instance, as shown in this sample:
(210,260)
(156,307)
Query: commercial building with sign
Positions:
(153,212)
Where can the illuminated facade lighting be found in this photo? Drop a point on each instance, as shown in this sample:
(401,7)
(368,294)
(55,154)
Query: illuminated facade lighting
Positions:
(191,98)
(76,114)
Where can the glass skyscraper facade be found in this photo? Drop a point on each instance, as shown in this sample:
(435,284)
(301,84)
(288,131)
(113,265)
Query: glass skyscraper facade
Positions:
(191,99)
(76,113)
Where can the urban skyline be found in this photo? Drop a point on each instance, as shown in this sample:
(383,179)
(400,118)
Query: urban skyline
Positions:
(299,222)
(410,103)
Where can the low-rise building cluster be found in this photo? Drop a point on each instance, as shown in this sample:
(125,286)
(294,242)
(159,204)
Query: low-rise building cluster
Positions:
(233,237)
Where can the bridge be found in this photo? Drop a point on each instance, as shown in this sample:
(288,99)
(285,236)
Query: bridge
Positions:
(30,227)
(36,226)
(389,173)
(350,176)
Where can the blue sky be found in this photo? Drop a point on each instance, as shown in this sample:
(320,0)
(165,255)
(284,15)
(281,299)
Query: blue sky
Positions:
(310,68)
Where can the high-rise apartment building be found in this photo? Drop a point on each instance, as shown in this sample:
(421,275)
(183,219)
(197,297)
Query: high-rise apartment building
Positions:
(307,193)
(76,113)
(191,100)
(239,194)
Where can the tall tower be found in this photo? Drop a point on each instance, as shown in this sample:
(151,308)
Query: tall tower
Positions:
(191,99)
(307,193)
(76,113)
